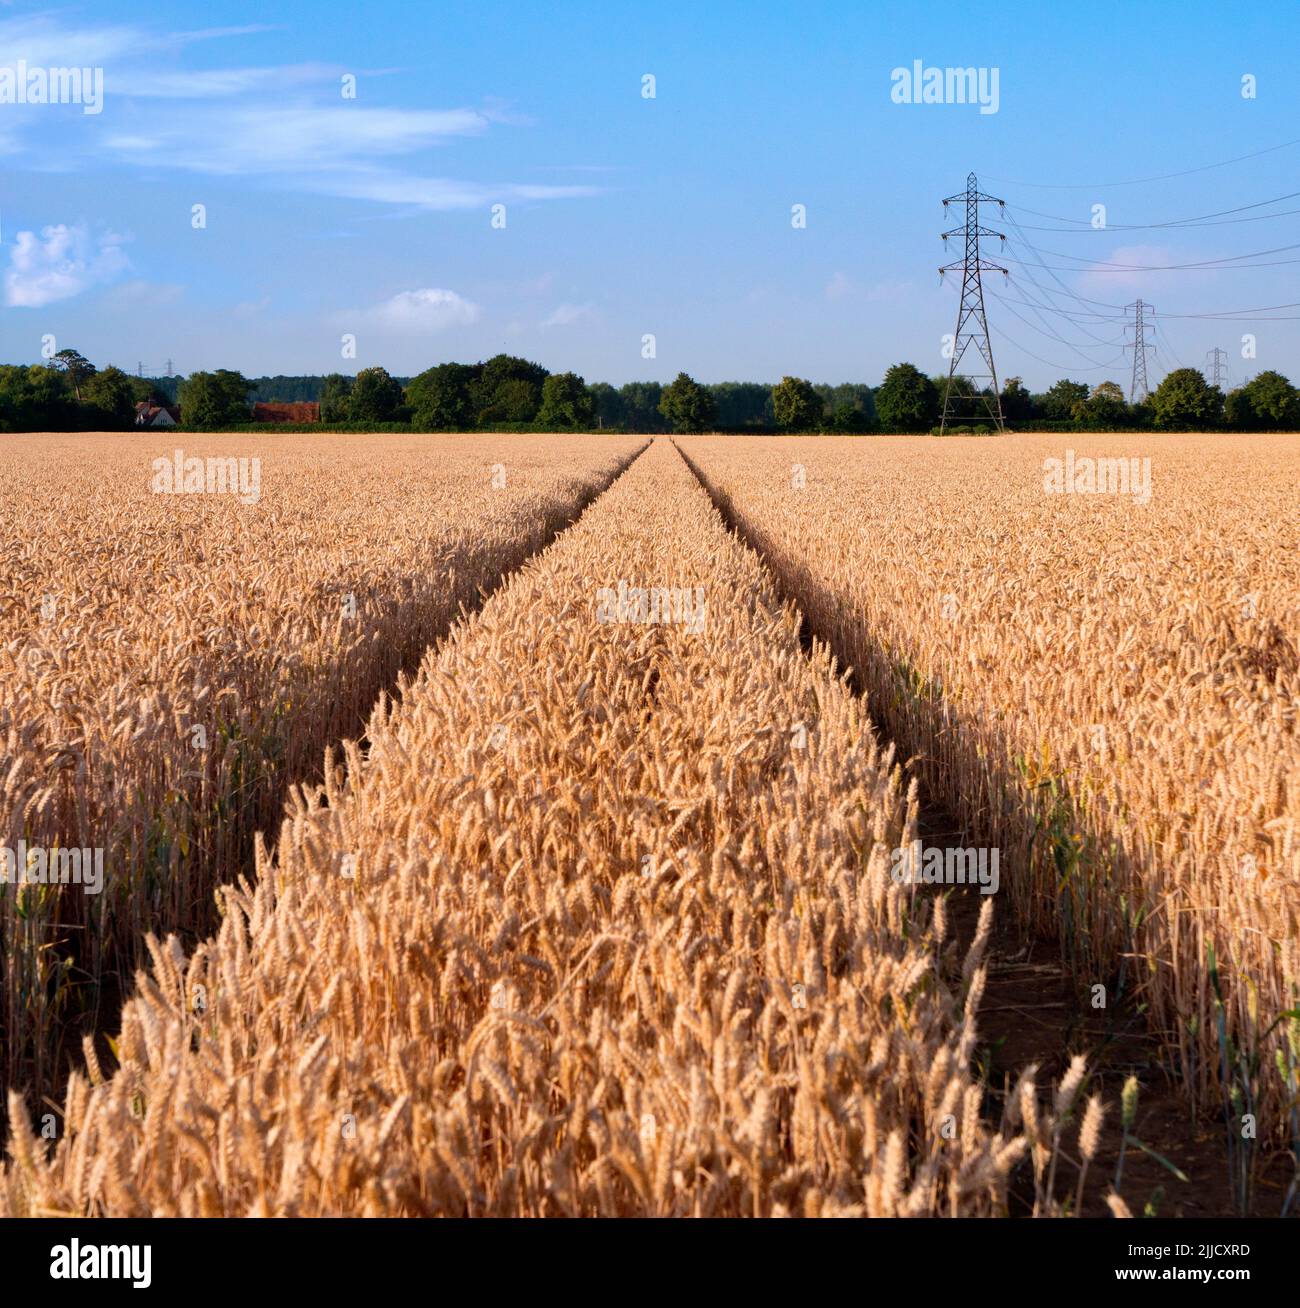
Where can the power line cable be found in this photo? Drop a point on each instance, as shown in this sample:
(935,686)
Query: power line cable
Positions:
(1106,265)
(1073,345)
(1086,225)
(1138,181)
(1042,263)
(1065,367)
(1047,305)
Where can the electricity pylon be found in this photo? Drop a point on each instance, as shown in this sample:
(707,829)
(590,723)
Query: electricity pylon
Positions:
(972,324)
(1140,348)
(1216,357)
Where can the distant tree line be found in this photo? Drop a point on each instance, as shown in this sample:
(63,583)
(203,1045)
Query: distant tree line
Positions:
(908,400)
(511,393)
(70,394)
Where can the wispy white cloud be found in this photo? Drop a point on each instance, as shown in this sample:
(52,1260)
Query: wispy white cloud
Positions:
(295,139)
(565,315)
(220,33)
(391,186)
(44,41)
(215,83)
(61,262)
(286,122)
(430,309)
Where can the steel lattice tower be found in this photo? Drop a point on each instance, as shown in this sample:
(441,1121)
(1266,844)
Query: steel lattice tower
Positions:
(1216,357)
(972,324)
(1140,348)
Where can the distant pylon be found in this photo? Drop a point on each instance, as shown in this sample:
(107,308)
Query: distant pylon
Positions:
(972,324)
(1217,357)
(1140,348)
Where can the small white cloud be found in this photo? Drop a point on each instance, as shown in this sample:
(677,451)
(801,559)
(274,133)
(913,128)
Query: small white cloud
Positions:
(838,287)
(842,287)
(891,291)
(62,262)
(427,310)
(565,315)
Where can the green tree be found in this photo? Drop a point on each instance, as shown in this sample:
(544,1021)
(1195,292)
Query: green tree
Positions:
(441,398)
(1237,412)
(640,401)
(375,398)
(566,402)
(608,405)
(906,400)
(111,394)
(515,400)
(1017,402)
(687,405)
(852,400)
(215,399)
(1272,402)
(962,388)
(1058,402)
(336,398)
(1105,408)
(508,389)
(35,398)
(1185,399)
(796,406)
(143,391)
(76,367)
(743,404)
(851,420)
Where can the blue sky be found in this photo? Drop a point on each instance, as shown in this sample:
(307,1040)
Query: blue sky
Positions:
(628,216)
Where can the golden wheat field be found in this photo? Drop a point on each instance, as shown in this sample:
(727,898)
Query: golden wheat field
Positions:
(1105,686)
(171,661)
(594,908)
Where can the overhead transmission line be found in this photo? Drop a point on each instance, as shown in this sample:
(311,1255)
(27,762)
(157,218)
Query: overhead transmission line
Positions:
(1063,288)
(1105,265)
(1045,301)
(1138,181)
(1198,220)
(1085,313)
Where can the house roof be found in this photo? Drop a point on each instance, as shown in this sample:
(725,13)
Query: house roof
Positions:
(296,411)
(146,413)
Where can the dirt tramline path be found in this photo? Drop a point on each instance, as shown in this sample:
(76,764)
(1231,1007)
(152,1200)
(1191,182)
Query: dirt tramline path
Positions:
(181,744)
(601,922)
(1035,1012)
